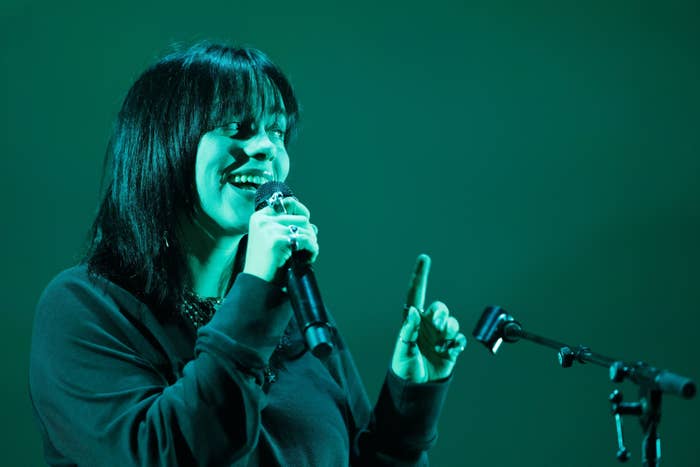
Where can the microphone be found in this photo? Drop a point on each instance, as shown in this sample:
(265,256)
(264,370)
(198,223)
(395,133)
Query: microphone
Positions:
(304,294)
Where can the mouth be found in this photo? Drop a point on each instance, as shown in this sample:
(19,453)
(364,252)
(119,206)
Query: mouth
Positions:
(249,181)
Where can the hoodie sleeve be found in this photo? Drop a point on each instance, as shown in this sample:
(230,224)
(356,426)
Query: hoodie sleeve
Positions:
(401,427)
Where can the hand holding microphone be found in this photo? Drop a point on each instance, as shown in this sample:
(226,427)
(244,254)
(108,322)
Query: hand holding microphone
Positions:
(281,236)
(274,233)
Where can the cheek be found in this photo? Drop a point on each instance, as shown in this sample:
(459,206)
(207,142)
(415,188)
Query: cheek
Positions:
(207,189)
(201,185)
(206,155)
(282,169)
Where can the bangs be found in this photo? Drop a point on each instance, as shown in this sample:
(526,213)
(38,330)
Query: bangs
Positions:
(247,91)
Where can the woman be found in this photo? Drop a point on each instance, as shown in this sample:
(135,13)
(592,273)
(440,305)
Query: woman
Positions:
(172,343)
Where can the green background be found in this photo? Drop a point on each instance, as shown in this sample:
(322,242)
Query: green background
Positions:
(544,154)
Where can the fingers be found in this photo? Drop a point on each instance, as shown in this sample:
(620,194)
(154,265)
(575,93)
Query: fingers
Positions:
(436,317)
(455,346)
(446,326)
(291,206)
(277,228)
(443,330)
(294,206)
(273,236)
(418,283)
(303,238)
(306,241)
(289,219)
(297,215)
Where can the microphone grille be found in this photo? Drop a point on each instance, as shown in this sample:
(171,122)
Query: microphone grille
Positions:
(266,190)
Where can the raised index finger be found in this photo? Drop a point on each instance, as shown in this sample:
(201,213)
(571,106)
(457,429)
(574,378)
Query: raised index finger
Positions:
(418,284)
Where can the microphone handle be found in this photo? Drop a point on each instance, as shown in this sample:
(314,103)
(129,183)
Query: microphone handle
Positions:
(308,307)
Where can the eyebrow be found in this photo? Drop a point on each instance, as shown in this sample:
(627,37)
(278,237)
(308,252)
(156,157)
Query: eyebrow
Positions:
(279,118)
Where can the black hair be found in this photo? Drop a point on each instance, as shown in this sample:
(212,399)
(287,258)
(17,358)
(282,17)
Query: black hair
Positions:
(151,156)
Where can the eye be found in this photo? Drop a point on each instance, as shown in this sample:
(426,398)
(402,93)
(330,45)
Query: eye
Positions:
(277,132)
(231,129)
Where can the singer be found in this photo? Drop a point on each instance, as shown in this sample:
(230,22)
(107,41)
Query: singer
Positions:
(172,342)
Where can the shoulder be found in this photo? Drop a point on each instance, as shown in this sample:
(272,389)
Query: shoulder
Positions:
(87,338)
(77,280)
(74,297)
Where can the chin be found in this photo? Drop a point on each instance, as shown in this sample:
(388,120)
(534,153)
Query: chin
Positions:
(236,226)
(230,229)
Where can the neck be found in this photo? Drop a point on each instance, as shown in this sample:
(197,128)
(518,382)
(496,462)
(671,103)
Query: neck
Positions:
(210,258)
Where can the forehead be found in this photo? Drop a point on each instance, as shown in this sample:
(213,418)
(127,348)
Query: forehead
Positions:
(251,97)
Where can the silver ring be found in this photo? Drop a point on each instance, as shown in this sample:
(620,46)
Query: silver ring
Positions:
(293,236)
(275,201)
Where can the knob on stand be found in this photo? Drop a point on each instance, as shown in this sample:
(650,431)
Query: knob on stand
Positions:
(619,409)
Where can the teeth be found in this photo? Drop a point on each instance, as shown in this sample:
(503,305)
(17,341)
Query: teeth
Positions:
(257,179)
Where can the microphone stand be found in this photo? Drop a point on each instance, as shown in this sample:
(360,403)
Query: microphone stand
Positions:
(496,326)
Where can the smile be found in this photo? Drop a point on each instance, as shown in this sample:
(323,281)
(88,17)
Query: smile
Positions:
(248,181)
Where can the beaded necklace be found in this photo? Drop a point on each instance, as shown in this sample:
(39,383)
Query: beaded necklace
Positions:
(199,310)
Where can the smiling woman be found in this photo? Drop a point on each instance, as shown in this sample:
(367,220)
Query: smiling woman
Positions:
(187,120)
(171,343)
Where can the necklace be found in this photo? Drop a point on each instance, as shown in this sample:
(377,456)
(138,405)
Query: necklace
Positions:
(199,310)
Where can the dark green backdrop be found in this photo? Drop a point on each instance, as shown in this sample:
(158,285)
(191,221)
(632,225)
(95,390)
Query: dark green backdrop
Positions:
(545,154)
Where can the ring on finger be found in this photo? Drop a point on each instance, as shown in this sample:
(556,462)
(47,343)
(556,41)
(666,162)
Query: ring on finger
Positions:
(446,344)
(410,344)
(293,236)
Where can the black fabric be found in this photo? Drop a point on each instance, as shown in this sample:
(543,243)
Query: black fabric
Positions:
(112,386)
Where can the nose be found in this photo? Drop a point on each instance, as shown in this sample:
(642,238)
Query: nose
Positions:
(259,147)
